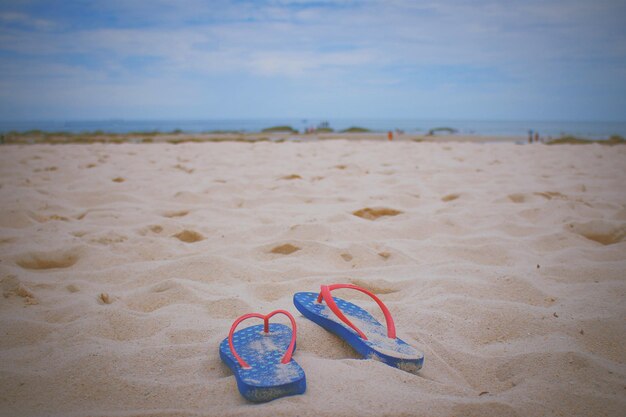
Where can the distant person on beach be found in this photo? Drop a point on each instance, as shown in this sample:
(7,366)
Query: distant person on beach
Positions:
(537,137)
(390,135)
(530,136)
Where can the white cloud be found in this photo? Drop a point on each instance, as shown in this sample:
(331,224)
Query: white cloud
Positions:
(26,20)
(385,47)
(282,41)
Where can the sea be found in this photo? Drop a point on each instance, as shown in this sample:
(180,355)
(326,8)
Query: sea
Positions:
(554,129)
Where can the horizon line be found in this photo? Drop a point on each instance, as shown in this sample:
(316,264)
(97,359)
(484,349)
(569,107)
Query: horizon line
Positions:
(462,119)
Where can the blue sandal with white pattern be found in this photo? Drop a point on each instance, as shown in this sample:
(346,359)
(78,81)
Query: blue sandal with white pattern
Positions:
(370,338)
(265,374)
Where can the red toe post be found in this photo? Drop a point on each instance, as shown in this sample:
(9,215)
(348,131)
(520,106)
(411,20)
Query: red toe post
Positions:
(266,320)
(325,295)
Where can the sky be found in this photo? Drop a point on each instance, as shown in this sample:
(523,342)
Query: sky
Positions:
(239,59)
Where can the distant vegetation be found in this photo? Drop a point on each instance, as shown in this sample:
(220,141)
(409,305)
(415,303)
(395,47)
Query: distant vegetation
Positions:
(355,129)
(38,136)
(99,136)
(573,140)
(569,140)
(37,132)
(278,129)
(202,140)
(449,130)
(149,133)
(322,127)
(222,132)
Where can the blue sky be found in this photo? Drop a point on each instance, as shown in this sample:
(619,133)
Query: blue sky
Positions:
(189,59)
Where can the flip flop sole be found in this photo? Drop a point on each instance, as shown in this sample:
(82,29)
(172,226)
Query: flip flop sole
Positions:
(393,352)
(267,378)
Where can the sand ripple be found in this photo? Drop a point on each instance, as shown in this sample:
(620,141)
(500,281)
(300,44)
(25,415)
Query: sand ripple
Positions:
(123,266)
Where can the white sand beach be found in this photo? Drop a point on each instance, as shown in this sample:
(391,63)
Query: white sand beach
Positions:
(123,266)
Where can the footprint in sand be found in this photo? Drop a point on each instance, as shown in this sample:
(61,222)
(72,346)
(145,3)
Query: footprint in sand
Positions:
(517,198)
(346,257)
(600,231)
(42,219)
(156,228)
(184,168)
(286,249)
(46,169)
(109,238)
(104,298)
(189,236)
(47,260)
(449,197)
(384,255)
(374,213)
(291,177)
(118,179)
(179,213)
(72,288)
(11,286)
(549,195)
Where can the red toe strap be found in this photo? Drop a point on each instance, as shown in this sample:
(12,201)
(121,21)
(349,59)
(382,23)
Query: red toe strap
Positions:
(325,295)
(266,320)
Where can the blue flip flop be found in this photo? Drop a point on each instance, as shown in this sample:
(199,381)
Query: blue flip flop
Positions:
(265,374)
(368,337)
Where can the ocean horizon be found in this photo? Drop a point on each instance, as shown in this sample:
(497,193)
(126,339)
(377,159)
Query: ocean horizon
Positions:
(586,129)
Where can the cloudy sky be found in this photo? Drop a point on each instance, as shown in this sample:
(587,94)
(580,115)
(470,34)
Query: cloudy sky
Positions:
(188,59)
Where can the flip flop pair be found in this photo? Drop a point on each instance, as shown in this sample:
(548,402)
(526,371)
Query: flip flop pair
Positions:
(267,373)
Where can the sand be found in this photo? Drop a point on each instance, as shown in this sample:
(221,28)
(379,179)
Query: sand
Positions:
(123,266)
